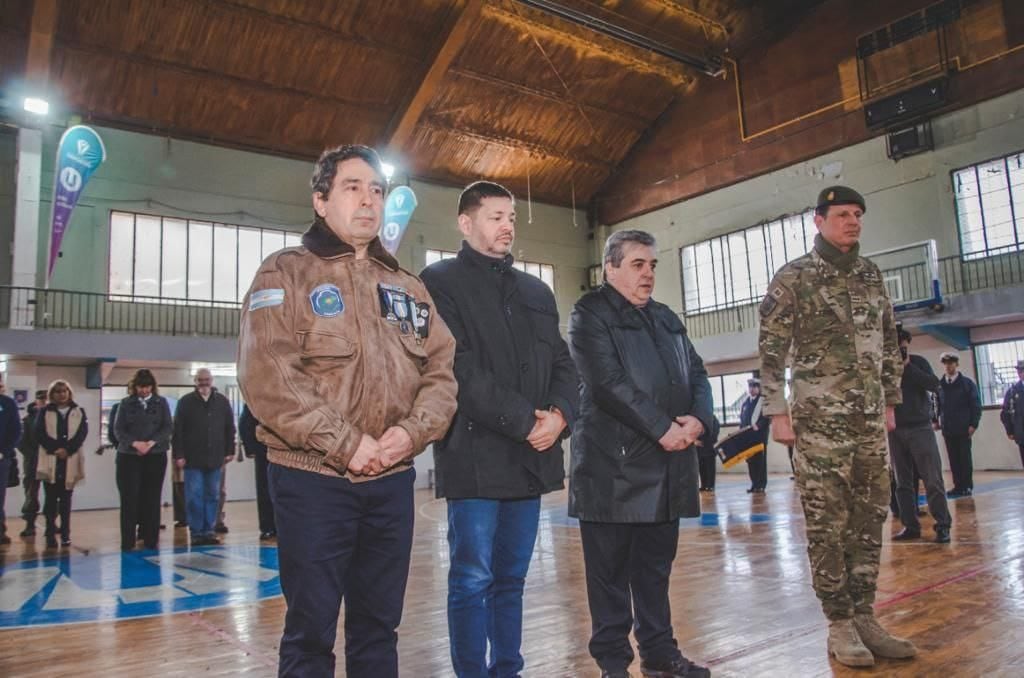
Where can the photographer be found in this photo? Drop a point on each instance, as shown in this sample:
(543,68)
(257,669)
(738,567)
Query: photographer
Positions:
(912,446)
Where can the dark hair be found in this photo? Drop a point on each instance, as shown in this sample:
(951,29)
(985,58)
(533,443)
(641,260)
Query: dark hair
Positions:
(822,210)
(614,245)
(327,165)
(902,335)
(472,196)
(143,377)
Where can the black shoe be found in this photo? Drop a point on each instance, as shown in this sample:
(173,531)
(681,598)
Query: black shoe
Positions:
(29,531)
(618,673)
(967,492)
(268,535)
(750,490)
(220,528)
(679,668)
(180,523)
(51,542)
(954,493)
(906,534)
(162,526)
(941,535)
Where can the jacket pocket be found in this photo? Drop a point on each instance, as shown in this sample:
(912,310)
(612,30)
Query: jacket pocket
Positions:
(414,347)
(325,345)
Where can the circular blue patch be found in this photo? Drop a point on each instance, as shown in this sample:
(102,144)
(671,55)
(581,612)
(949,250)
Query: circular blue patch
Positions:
(108,586)
(326,300)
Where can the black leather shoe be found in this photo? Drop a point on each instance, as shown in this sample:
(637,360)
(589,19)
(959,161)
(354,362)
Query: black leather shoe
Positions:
(29,531)
(751,490)
(220,528)
(941,535)
(954,493)
(679,668)
(906,534)
(268,535)
(967,492)
(622,673)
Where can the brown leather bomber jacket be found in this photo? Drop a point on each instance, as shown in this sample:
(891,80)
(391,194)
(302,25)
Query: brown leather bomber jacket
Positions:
(329,349)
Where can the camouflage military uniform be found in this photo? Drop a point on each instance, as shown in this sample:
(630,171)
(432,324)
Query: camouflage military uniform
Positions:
(828,316)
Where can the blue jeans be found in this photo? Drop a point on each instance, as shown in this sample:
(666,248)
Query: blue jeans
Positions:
(490,542)
(202,495)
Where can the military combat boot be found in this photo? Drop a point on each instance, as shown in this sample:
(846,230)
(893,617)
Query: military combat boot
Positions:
(845,645)
(880,641)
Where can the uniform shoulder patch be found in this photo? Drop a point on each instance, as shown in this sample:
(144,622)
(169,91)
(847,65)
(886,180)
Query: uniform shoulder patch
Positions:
(771,300)
(266,298)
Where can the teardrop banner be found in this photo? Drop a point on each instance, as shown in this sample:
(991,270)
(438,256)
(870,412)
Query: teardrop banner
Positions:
(398,211)
(79,153)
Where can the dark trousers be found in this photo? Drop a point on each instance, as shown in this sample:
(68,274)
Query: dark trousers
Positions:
(627,568)
(342,541)
(1020,447)
(707,466)
(30,507)
(57,502)
(757,467)
(178,501)
(5,469)
(961,462)
(140,481)
(264,507)
(915,453)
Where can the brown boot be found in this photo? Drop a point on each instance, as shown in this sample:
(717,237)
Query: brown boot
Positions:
(845,645)
(880,641)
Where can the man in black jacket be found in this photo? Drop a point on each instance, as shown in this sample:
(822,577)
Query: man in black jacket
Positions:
(645,401)
(517,401)
(257,451)
(912,446)
(960,414)
(1012,413)
(30,456)
(203,442)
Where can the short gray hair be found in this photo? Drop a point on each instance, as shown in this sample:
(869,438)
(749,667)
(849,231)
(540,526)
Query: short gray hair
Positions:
(614,245)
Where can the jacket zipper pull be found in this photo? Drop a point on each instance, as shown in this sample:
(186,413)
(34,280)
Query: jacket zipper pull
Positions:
(623,450)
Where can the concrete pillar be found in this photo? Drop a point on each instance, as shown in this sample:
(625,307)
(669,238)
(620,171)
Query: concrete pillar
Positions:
(24,267)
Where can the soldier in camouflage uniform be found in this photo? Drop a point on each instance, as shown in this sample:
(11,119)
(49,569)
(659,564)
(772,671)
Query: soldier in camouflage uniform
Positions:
(827,316)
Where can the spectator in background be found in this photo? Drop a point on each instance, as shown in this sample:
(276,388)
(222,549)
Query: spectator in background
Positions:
(257,451)
(750,415)
(913,449)
(204,441)
(707,458)
(1012,414)
(60,430)
(10,434)
(959,414)
(143,432)
(30,455)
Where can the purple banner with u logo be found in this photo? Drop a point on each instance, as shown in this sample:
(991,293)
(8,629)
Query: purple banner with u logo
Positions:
(79,153)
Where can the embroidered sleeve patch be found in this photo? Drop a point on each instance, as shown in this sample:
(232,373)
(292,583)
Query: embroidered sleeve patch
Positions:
(266,298)
(771,300)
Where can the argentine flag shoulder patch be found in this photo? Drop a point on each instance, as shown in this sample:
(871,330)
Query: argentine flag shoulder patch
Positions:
(266,298)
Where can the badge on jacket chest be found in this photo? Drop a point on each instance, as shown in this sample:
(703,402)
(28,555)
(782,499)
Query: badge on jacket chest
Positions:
(399,307)
(326,300)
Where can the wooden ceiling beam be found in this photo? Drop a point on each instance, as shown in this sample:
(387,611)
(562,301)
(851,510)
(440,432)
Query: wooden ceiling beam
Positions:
(632,121)
(675,73)
(309,26)
(515,143)
(131,57)
(451,47)
(40,42)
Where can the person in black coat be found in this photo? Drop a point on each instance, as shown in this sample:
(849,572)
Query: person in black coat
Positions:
(143,431)
(517,401)
(960,414)
(707,458)
(10,434)
(645,400)
(257,451)
(203,442)
(750,415)
(1012,413)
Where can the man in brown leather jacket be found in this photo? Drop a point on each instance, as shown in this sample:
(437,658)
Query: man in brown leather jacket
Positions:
(349,372)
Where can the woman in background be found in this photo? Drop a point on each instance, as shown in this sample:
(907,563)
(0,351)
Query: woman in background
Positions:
(143,431)
(60,430)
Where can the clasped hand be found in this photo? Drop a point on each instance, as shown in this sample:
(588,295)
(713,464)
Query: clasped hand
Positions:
(684,432)
(373,457)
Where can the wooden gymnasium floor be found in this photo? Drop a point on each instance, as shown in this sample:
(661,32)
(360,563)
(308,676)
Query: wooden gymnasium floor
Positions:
(740,595)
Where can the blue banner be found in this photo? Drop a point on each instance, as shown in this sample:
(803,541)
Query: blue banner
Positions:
(79,153)
(398,211)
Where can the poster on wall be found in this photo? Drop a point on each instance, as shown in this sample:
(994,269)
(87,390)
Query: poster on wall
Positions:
(79,153)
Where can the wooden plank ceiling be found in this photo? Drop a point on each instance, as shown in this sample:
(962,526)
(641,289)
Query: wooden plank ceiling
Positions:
(460,89)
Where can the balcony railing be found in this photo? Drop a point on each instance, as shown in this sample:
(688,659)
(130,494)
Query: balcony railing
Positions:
(956,276)
(34,308)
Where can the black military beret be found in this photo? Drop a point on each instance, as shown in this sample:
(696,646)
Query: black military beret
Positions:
(841,195)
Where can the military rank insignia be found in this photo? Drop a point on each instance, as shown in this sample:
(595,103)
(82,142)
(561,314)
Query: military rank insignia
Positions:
(326,300)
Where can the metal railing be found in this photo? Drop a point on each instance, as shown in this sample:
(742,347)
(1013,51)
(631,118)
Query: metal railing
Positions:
(957,276)
(35,308)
